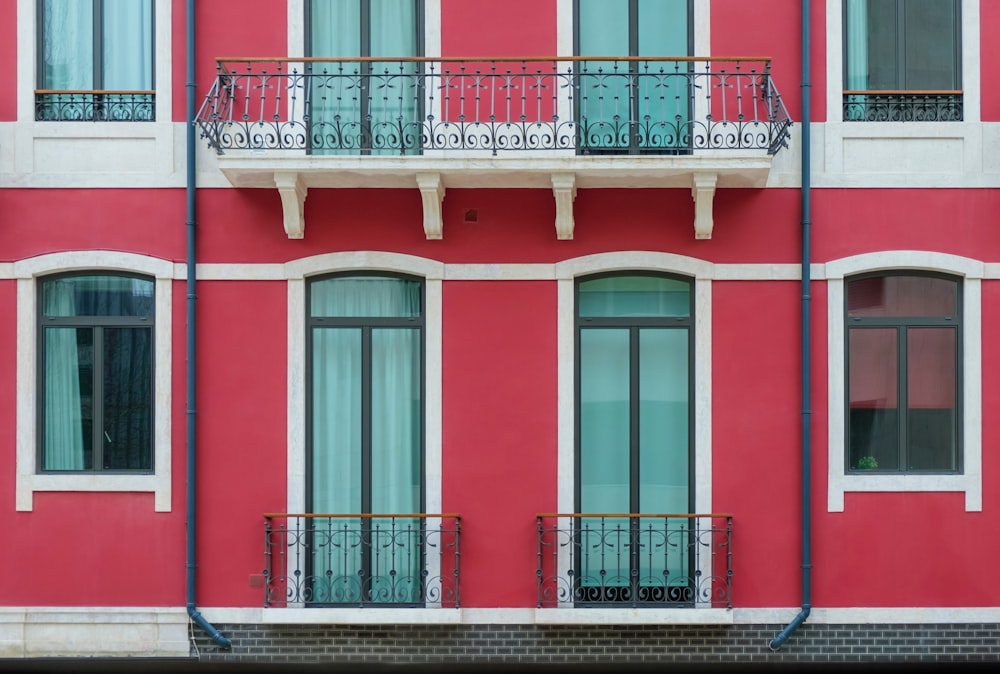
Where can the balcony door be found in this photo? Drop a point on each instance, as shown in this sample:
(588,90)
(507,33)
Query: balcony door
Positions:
(366,440)
(634,419)
(633,107)
(364,106)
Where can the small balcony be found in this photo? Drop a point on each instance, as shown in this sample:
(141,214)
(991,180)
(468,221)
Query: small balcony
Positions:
(361,560)
(903,106)
(557,123)
(629,560)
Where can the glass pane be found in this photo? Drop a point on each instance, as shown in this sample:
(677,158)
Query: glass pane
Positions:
(932,399)
(68,419)
(336,464)
(625,296)
(664,549)
(873,400)
(365,296)
(663,99)
(395,471)
(67,35)
(604,460)
(930,31)
(902,296)
(128,45)
(98,296)
(128,399)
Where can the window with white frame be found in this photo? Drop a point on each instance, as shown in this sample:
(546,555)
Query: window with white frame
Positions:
(94,375)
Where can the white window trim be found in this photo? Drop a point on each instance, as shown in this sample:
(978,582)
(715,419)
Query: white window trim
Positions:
(835,71)
(970,481)
(27,272)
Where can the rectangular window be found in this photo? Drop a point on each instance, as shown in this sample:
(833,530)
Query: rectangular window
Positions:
(364,107)
(365,459)
(904,374)
(96,364)
(633,106)
(902,60)
(95,60)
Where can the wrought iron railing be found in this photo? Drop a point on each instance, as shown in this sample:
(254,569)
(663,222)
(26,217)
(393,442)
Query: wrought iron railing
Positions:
(600,560)
(361,560)
(406,106)
(94,106)
(903,106)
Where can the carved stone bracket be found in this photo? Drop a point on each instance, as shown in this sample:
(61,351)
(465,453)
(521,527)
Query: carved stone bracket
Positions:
(293,200)
(432,194)
(564,190)
(703,193)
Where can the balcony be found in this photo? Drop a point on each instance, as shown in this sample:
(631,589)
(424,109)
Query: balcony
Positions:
(94,106)
(628,560)
(903,106)
(555,123)
(361,560)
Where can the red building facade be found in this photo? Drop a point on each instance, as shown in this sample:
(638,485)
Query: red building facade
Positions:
(438,330)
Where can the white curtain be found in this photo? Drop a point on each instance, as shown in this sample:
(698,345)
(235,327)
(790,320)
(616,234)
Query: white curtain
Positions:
(389,97)
(67,45)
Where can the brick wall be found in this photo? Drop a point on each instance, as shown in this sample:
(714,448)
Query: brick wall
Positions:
(621,644)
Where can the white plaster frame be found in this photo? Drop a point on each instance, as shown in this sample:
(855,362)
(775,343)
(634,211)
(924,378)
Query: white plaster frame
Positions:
(29,480)
(970,482)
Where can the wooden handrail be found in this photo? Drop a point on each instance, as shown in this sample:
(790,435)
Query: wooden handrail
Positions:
(479,59)
(580,515)
(362,515)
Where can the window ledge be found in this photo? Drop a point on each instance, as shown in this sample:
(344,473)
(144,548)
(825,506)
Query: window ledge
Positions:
(970,485)
(159,485)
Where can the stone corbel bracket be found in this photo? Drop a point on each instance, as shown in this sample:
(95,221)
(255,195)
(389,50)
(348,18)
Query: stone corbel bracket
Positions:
(432,194)
(293,200)
(703,193)
(564,190)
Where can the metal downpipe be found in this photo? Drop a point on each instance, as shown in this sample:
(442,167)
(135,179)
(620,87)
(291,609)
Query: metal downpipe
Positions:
(783,636)
(191,260)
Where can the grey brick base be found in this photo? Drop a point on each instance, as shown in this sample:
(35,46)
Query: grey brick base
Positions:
(621,644)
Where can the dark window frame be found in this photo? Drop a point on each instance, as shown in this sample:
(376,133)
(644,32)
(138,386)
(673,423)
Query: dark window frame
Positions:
(634,325)
(98,324)
(901,324)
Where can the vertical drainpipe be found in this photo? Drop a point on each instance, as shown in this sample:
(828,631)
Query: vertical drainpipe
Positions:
(783,636)
(191,260)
